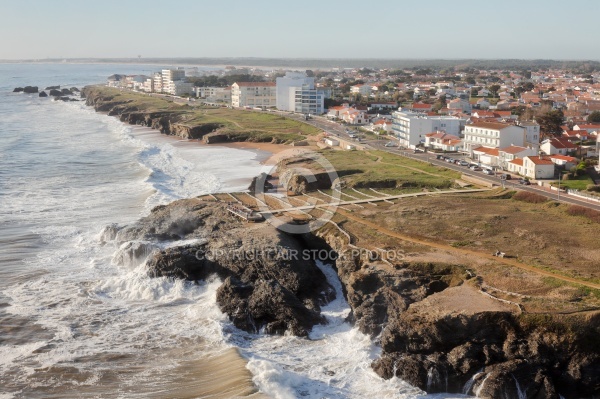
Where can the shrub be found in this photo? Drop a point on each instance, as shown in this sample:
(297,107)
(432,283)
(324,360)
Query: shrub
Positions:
(532,198)
(593,187)
(576,210)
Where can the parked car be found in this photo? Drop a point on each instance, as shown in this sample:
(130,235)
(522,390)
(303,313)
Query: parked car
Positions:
(450,160)
(463,163)
(505,176)
(352,136)
(475,168)
(488,171)
(525,182)
(457,161)
(389,144)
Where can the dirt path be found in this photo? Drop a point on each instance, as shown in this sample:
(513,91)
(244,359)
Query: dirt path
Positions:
(463,251)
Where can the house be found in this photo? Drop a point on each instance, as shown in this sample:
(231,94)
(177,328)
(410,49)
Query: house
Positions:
(516,166)
(536,167)
(353,116)
(575,135)
(362,89)
(560,146)
(381,124)
(443,141)
(492,134)
(563,161)
(593,129)
(483,103)
(507,154)
(459,104)
(486,156)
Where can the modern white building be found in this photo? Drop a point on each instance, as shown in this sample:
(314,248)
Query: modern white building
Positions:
(492,134)
(291,80)
(411,127)
(253,94)
(308,100)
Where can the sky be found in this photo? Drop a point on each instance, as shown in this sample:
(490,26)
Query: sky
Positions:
(524,29)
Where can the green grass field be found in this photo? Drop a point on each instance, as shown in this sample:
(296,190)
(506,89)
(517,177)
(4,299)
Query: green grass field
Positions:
(381,169)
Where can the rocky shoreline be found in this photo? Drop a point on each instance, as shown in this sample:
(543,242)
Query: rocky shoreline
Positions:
(169,122)
(436,330)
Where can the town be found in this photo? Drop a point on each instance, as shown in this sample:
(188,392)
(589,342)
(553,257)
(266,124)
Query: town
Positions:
(538,126)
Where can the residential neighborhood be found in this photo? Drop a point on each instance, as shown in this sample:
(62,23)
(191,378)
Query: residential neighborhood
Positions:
(537,124)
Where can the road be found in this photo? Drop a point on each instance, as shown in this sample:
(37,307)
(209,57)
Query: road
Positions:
(341,131)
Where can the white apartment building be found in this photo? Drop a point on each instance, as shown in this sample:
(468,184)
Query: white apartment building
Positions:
(253,94)
(532,133)
(492,134)
(286,87)
(214,94)
(308,100)
(411,127)
(179,88)
(157,83)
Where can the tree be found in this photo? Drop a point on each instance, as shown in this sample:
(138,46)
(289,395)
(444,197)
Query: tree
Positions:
(310,73)
(551,121)
(594,117)
(494,89)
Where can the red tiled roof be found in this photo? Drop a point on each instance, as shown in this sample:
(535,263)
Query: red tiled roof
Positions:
(563,158)
(487,150)
(513,149)
(421,106)
(517,161)
(540,161)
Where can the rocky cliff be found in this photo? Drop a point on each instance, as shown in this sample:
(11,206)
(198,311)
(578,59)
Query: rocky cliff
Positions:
(440,333)
(436,329)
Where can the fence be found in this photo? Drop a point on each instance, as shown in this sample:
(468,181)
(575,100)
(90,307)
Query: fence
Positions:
(581,194)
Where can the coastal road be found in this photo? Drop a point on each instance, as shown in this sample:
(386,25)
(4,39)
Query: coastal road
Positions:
(343,132)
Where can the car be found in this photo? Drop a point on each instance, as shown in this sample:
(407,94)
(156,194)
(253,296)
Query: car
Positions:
(457,161)
(450,160)
(505,176)
(488,171)
(439,157)
(475,168)
(352,136)
(463,163)
(389,144)
(524,182)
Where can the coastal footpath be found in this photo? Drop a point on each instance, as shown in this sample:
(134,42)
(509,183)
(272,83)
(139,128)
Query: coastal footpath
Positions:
(440,324)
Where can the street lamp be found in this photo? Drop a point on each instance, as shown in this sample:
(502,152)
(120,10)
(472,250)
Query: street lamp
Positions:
(558,191)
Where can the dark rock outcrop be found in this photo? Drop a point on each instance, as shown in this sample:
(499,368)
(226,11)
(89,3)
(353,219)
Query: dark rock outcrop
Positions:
(30,89)
(18,90)
(43,94)
(52,88)
(269,284)
(66,92)
(55,93)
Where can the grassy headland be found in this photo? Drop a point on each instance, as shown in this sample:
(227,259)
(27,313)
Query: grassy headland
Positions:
(232,124)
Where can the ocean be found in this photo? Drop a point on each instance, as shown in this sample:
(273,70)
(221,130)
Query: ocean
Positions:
(76,321)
